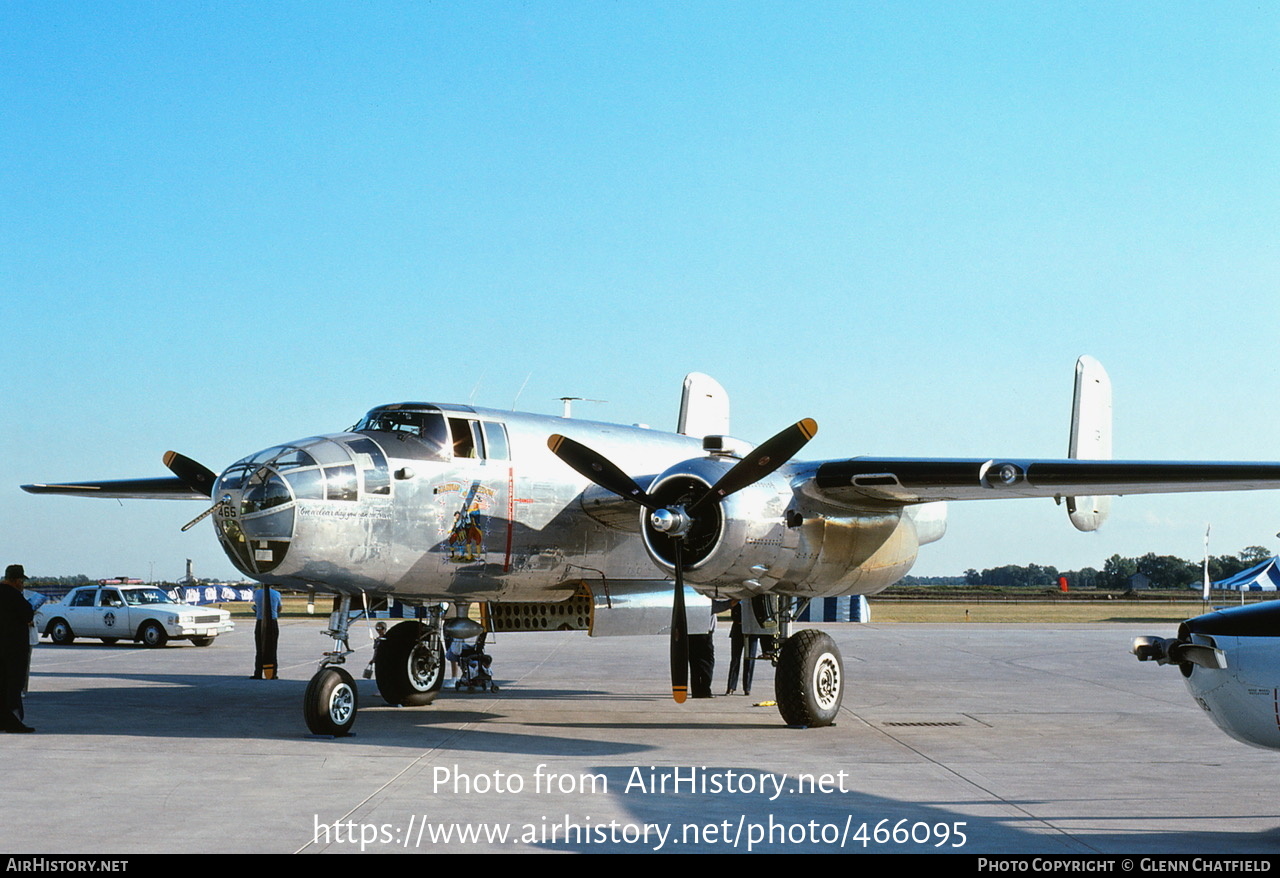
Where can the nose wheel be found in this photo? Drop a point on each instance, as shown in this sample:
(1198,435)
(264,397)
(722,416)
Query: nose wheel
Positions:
(330,703)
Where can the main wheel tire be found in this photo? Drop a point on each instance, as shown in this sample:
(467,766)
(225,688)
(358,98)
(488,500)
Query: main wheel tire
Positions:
(152,635)
(60,632)
(809,682)
(330,703)
(201,641)
(409,672)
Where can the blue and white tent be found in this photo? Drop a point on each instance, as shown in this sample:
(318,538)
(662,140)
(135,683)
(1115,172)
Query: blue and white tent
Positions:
(1263,577)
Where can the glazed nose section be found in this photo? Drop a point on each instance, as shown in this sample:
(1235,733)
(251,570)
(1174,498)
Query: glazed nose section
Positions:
(256,520)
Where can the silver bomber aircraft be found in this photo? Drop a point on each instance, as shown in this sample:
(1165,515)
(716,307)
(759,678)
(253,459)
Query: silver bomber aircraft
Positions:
(558,523)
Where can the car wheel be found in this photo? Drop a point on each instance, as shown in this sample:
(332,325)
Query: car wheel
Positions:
(152,635)
(60,632)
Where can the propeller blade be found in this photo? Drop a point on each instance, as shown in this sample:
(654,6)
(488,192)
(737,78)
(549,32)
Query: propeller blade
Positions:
(679,635)
(766,458)
(195,476)
(599,469)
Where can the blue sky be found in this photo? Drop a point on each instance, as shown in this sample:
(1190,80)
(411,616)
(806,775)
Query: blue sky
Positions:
(223,226)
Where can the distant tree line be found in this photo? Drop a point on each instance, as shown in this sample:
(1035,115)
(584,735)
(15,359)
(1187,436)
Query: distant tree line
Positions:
(67,581)
(1164,571)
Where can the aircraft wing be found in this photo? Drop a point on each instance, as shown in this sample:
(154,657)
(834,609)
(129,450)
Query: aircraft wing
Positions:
(124,489)
(915,480)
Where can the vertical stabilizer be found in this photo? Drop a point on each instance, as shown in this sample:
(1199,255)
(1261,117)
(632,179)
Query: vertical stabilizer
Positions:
(704,407)
(1090,437)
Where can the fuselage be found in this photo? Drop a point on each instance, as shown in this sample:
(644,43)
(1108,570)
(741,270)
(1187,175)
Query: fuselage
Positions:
(444,502)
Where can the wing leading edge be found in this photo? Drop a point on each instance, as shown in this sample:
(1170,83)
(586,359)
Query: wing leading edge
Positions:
(123,489)
(912,480)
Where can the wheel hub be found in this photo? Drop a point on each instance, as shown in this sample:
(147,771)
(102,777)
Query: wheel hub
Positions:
(423,669)
(826,681)
(341,704)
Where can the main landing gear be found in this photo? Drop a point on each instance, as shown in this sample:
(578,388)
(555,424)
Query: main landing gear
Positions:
(809,679)
(408,662)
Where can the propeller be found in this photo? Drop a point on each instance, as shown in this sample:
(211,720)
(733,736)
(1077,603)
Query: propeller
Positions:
(676,521)
(195,476)
(1171,651)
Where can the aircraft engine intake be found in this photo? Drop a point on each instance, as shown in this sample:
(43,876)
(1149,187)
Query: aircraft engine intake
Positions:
(729,538)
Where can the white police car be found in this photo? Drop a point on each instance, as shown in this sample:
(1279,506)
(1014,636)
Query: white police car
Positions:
(129,612)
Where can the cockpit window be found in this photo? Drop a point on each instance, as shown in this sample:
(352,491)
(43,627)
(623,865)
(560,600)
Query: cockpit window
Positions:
(427,426)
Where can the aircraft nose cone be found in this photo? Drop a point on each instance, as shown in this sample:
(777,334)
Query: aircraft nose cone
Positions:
(256,522)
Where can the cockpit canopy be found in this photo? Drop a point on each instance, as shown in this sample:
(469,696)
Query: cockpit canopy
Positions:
(433,432)
(421,430)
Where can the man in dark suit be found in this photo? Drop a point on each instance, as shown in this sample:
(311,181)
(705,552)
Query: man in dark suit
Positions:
(266,632)
(15,647)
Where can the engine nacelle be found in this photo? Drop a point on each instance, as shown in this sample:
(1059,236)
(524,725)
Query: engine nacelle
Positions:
(1231,661)
(767,539)
(731,540)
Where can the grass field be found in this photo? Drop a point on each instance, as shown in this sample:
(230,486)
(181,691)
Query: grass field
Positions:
(1048,612)
(958,609)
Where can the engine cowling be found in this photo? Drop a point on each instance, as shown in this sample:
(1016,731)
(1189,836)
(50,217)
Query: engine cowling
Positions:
(743,531)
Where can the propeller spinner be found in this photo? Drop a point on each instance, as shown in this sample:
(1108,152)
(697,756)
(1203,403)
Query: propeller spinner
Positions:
(677,520)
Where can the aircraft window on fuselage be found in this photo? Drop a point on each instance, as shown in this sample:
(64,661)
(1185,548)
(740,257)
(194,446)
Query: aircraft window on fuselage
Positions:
(233,478)
(307,484)
(265,491)
(293,458)
(467,441)
(495,441)
(267,454)
(341,481)
(373,465)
